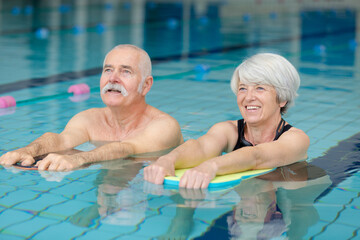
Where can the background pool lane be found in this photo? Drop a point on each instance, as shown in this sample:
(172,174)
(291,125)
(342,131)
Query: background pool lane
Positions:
(195,46)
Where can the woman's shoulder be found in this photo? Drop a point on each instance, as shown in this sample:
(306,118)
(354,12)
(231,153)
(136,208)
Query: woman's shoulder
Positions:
(227,129)
(296,133)
(226,125)
(294,129)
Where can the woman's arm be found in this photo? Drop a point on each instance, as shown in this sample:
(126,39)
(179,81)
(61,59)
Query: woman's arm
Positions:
(219,138)
(289,148)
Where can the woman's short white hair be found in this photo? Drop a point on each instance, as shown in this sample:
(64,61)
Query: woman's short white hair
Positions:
(269,69)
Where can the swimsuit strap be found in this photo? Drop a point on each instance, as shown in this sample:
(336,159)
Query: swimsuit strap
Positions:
(279,129)
(242,142)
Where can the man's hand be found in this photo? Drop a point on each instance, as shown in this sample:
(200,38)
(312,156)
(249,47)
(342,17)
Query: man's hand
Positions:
(198,177)
(10,158)
(57,162)
(157,171)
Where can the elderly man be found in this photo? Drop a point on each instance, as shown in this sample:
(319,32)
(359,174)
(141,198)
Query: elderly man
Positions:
(127,124)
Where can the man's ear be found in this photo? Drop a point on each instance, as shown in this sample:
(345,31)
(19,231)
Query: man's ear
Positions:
(147,85)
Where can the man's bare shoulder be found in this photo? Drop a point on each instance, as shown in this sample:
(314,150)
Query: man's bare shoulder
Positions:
(91,113)
(158,115)
(163,122)
(88,116)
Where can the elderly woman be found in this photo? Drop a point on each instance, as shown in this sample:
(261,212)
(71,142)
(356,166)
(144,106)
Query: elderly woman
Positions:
(265,86)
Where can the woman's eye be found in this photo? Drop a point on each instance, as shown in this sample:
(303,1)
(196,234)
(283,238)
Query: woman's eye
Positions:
(241,89)
(260,88)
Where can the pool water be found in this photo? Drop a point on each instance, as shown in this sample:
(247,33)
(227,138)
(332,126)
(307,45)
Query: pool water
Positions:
(47,46)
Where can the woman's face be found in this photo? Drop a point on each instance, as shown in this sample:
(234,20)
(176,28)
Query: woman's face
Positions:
(258,103)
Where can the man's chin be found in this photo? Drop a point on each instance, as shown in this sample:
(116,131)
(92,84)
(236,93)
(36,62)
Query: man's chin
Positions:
(113,104)
(112,100)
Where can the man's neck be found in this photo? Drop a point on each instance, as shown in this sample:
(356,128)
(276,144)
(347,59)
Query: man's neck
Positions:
(127,119)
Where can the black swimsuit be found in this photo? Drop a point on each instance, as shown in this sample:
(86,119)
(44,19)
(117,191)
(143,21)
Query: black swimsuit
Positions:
(241,142)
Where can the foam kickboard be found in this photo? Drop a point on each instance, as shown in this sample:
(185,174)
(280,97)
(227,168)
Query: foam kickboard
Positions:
(222,181)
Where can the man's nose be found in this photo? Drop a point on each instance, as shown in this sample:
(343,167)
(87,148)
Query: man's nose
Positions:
(114,77)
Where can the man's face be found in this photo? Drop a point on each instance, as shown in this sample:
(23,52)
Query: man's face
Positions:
(121,77)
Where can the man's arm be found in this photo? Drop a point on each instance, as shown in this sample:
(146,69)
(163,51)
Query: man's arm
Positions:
(163,133)
(74,134)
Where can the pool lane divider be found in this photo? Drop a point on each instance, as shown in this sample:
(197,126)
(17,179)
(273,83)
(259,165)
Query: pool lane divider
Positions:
(76,93)
(80,92)
(41,81)
(69,76)
(64,77)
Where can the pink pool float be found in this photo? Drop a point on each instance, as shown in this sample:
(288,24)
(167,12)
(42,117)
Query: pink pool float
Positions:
(7,101)
(78,89)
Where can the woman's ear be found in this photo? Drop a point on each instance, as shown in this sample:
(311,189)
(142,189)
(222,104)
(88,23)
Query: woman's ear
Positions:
(282,104)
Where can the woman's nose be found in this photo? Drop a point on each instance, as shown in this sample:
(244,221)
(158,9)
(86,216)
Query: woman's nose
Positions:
(250,94)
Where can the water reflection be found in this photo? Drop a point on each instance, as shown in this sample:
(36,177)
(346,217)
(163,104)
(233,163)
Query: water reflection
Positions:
(277,204)
(118,200)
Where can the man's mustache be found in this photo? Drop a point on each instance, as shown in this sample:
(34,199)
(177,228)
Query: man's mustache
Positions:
(114,87)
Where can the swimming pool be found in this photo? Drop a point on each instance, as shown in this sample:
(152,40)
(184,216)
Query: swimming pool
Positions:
(195,46)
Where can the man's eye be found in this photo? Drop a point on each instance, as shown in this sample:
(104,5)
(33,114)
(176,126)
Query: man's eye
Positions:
(126,73)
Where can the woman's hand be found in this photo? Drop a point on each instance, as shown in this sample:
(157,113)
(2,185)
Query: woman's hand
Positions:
(156,172)
(200,176)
